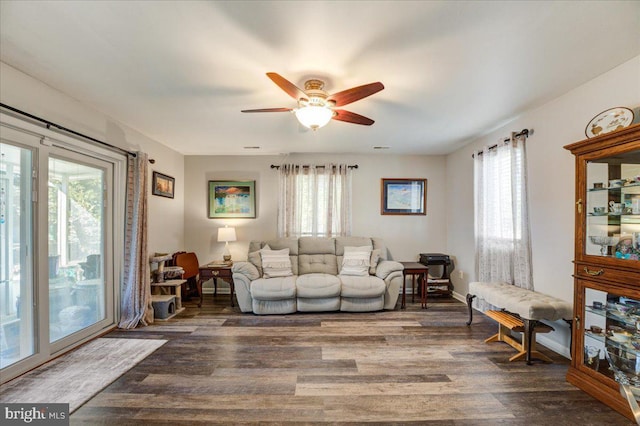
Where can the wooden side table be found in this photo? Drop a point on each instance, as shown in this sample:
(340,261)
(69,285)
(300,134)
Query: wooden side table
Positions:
(415,269)
(215,271)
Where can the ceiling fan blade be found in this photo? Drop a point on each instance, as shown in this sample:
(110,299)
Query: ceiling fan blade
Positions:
(267,110)
(351,117)
(291,89)
(356,93)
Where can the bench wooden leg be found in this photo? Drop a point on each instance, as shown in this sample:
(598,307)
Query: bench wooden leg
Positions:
(470,298)
(527,346)
(570,322)
(529,325)
(500,335)
(504,335)
(533,353)
(528,350)
(529,343)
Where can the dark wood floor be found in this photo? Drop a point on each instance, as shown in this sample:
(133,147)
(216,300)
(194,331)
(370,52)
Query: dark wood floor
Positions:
(399,367)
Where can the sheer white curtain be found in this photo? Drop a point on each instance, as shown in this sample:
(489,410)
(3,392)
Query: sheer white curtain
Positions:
(315,200)
(503,246)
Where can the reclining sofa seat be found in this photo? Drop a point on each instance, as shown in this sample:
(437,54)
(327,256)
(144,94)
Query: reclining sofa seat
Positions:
(316,285)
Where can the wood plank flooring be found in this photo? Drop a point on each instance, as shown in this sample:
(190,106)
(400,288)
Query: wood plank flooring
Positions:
(400,367)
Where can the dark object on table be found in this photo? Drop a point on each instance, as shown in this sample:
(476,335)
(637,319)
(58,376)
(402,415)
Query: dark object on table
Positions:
(438,286)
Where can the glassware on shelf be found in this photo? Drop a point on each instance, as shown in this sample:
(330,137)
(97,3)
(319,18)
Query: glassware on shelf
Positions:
(604,241)
(626,370)
(592,357)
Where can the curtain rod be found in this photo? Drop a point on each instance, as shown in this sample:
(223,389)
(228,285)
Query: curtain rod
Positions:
(355,166)
(49,125)
(525,132)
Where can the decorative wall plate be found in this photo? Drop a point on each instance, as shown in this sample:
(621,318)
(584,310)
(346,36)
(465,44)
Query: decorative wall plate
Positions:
(608,121)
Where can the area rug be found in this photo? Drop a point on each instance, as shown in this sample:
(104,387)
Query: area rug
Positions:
(76,377)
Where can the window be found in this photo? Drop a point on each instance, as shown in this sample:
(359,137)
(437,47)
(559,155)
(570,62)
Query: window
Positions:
(315,201)
(503,247)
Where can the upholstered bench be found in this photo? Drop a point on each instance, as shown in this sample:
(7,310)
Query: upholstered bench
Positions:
(532,307)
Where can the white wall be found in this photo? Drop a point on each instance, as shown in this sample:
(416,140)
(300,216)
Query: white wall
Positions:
(181,223)
(166,216)
(405,236)
(551,181)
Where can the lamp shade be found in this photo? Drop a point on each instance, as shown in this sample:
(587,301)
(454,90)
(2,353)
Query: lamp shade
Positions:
(313,116)
(226,234)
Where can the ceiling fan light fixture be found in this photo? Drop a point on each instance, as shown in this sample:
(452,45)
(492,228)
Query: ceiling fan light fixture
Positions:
(316,107)
(314,117)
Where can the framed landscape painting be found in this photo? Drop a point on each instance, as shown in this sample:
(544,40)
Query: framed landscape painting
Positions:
(403,197)
(232,199)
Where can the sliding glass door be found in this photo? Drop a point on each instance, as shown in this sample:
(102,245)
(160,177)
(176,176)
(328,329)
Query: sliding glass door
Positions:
(61,228)
(76,224)
(17,326)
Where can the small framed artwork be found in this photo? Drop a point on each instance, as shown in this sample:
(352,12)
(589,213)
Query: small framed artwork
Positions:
(232,199)
(162,185)
(403,197)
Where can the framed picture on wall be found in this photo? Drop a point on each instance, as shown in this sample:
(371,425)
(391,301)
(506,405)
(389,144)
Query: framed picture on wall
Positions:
(403,197)
(232,199)
(162,185)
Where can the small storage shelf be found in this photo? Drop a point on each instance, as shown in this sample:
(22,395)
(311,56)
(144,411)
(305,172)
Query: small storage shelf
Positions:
(438,286)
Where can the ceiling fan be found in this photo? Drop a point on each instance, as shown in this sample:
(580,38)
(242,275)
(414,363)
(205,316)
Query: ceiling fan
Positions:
(316,107)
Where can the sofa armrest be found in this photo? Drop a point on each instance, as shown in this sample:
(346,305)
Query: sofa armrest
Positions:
(385,267)
(247,269)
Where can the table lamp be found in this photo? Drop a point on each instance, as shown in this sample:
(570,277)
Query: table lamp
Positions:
(226,234)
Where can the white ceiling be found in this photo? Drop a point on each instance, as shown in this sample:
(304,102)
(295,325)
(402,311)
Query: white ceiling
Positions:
(180,72)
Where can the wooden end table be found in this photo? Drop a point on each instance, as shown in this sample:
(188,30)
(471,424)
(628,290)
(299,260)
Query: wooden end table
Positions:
(212,271)
(415,269)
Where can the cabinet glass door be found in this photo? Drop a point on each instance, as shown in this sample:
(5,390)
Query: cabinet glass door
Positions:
(612,335)
(613,207)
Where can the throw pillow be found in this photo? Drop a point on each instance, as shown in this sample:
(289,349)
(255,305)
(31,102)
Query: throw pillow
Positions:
(276,263)
(376,256)
(256,260)
(356,261)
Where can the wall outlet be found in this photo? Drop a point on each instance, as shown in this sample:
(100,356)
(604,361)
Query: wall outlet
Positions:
(461,274)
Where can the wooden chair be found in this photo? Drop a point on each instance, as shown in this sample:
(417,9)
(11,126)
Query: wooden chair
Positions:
(189,262)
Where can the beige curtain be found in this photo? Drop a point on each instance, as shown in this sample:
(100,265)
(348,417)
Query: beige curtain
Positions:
(136,308)
(314,200)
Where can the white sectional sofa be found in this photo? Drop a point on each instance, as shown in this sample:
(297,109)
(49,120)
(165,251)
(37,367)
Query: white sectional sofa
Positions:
(320,277)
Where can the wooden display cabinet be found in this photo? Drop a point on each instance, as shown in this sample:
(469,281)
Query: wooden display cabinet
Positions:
(607,269)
